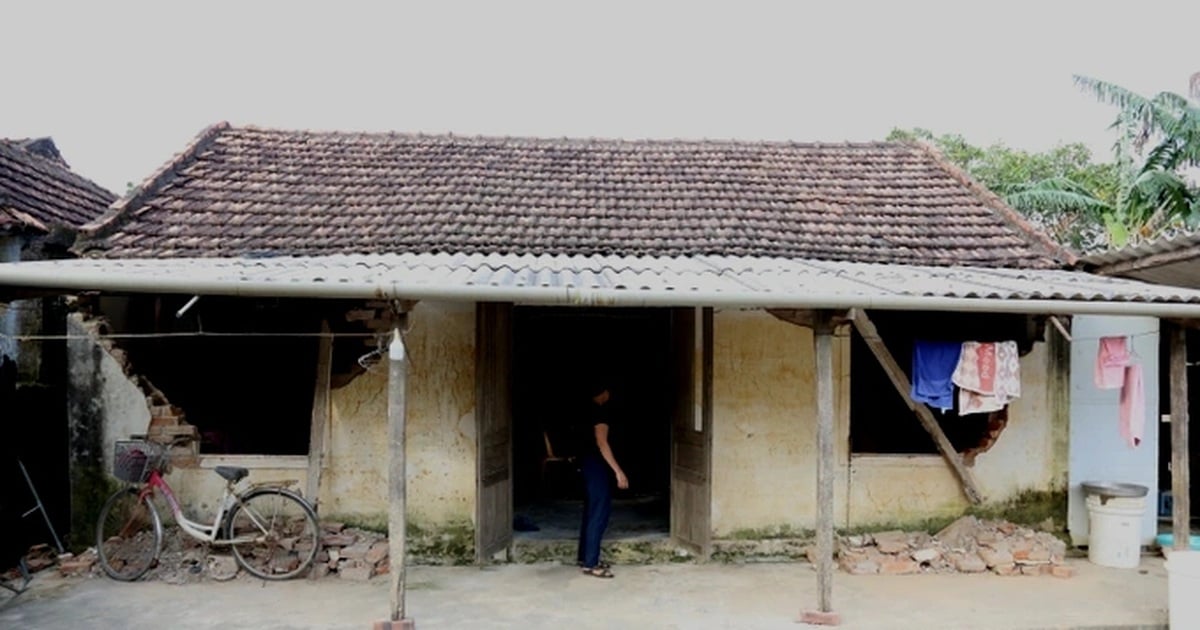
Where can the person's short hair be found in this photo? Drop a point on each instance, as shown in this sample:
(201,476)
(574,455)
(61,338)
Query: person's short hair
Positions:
(596,386)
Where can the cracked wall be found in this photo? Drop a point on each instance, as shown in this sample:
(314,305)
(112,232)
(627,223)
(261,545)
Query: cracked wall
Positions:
(764,452)
(441,426)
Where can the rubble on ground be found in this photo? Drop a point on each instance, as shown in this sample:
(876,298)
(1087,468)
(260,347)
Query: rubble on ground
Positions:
(350,554)
(968,545)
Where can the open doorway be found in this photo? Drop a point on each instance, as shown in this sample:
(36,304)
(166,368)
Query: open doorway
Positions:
(555,353)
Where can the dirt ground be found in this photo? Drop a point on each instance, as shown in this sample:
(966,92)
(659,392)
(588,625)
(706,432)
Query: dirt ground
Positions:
(749,596)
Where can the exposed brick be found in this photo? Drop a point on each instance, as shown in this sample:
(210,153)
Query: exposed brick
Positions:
(357,551)
(994,558)
(358,573)
(332,527)
(1062,571)
(892,542)
(969,563)
(400,624)
(75,566)
(1039,554)
(898,566)
(338,540)
(820,618)
(377,552)
(928,554)
(1005,569)
(319,570)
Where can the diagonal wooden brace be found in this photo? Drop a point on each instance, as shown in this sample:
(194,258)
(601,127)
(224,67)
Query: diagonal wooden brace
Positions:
(866,329)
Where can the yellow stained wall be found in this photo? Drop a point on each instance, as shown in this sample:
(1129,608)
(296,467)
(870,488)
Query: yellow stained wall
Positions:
(441,426)
(764,423)
(440,435)
(764,441)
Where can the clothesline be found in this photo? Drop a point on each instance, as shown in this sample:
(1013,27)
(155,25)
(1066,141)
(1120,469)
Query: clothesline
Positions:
(197,333)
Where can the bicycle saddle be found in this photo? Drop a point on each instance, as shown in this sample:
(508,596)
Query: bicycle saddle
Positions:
(232,473)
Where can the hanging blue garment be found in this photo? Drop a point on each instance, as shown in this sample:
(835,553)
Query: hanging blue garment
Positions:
(933,363)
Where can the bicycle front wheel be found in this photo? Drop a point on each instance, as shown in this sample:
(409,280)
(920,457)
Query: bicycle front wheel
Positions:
(128,535)
(274,533)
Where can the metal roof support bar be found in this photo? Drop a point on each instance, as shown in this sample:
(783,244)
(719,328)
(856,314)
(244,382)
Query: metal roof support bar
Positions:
(866,328)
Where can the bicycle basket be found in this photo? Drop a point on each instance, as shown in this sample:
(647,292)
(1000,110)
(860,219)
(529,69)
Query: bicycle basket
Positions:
(134,459)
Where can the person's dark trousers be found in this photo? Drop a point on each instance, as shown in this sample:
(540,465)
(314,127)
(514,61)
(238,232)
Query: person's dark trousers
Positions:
(597,506)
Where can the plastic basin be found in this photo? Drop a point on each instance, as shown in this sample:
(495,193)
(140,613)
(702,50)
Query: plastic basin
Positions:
(1167,541)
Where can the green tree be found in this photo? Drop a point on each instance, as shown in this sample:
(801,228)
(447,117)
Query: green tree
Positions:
(1061,190)
(1158,140)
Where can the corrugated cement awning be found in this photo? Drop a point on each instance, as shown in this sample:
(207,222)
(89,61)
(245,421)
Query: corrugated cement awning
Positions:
(1173,260)
(617,281)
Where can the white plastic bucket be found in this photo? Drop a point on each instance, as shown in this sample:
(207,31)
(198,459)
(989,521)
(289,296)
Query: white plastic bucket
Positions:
(1183,582)
(1115,531)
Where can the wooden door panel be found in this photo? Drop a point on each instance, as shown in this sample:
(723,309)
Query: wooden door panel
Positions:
(691,441)
(494,509)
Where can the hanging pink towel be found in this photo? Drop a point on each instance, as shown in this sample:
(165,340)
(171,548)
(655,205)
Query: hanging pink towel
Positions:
(1133,405)
(1111,360)
(988,376)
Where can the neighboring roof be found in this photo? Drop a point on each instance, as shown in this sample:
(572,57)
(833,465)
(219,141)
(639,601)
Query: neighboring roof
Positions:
(618,281)
(38,190)
(1173,260)
(257,192)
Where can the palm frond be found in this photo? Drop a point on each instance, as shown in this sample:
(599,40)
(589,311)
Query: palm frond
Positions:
(1158,192)
(1057,195)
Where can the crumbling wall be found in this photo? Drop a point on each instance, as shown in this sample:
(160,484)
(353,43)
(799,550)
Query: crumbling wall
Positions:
(103,405)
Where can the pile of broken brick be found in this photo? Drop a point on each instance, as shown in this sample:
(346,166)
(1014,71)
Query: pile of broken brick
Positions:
(350,554)
(41,557)
(968,545)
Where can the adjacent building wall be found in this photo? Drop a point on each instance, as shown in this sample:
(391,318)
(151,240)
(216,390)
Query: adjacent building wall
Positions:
(1097,452)
(103,406)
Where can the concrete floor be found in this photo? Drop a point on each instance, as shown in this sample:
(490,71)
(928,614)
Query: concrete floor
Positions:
(632,518)
(548,596)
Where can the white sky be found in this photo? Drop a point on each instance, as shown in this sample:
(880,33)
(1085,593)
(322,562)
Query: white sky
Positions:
(122,88)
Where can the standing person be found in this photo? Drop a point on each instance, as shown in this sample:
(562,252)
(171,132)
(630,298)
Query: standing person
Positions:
(599,467)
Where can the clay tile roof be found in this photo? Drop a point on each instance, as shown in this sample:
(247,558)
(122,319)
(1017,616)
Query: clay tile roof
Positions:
(244,192)
(39,191)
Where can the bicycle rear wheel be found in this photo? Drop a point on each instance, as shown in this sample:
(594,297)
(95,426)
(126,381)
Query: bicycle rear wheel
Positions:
(128,535)
(274,533)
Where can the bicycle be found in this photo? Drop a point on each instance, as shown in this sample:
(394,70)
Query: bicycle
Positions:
(272,531)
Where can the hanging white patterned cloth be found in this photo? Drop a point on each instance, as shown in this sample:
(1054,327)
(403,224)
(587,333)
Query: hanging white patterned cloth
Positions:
(988,375)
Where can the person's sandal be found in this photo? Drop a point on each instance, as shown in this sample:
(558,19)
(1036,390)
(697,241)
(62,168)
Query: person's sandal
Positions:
(598,572)
(603,564)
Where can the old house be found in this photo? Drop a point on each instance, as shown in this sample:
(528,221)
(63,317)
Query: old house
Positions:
(754,303)
(42,204)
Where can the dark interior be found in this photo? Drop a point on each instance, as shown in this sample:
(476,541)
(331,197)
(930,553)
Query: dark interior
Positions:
(247,383)
(880,420)
(557,353)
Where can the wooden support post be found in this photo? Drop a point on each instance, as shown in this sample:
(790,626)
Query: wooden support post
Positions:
(1180,471)
(397,479)
(823,327)
(317,445)
(866,329)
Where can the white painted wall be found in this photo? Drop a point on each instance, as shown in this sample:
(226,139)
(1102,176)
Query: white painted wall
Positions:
(1097,452)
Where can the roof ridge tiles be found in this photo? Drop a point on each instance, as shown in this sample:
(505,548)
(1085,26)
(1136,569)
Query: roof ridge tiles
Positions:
(121,209)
